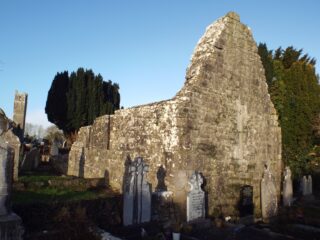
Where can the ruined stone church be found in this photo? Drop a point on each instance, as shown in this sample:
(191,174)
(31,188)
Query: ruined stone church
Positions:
(222,123)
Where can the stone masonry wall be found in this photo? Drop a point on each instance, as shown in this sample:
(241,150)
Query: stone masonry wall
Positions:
(221,123)
(20,110)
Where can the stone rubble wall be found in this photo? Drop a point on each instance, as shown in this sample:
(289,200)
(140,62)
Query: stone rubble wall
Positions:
(221,123)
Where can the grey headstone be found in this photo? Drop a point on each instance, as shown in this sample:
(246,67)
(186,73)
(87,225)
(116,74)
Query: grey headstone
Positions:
(306,185)
(10,223)
(287,188)
(137,194)
(30,160)
(269,201)
(162,206)
(5,178)
(54,150)
(309,185)
(11,227)
(195,198)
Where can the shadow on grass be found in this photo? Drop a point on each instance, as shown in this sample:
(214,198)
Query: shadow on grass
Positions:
(53,195)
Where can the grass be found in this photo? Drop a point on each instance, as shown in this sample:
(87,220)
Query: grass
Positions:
(37,178)
(42,193)
(46,194)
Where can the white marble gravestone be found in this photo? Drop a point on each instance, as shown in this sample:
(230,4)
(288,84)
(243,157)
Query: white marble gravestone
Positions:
(269,201)
(287,188)
(195,198)
(137,194)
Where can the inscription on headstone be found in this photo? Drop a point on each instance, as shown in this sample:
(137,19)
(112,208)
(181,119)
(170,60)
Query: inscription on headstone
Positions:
(287,188)
(246,201)
(195,198)
(269,201)
(137,194)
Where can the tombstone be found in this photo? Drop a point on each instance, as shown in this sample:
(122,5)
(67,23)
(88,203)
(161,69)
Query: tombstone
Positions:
(246,201)
(54,150)
(195,198)
(306,185)
(163,209)
(269,201)
(303,186)
(5,179)
(10,223)
(287,188)
(309,185)
(137,194)
(162,199)
(13,141)
(30,160)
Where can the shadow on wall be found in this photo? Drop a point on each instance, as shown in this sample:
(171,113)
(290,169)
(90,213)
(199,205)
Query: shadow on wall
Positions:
(106,178)
(125,177)
(137,193)
(161,175)
(206,196)
(82,163)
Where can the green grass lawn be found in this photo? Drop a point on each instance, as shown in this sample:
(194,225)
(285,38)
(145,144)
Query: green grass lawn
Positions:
(47,194)
(38,190)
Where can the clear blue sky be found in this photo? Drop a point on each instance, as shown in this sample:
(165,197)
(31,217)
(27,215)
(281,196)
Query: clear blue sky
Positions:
(145,46)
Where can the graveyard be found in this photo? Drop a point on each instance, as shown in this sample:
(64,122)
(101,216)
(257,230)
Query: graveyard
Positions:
(205,164)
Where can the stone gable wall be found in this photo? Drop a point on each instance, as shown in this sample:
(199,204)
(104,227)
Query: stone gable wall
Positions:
(221,123)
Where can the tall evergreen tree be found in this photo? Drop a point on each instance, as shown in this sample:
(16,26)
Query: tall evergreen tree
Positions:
(75,100)
(56,107)
(266,59)
(295,94)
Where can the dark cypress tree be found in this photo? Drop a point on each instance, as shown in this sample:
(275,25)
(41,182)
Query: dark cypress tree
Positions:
(56,105)
(76,100)
(266,59)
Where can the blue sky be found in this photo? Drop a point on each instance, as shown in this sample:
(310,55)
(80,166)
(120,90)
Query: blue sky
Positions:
(144,45)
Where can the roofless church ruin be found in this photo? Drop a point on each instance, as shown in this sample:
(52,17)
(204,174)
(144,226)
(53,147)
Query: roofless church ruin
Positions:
(222,124)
